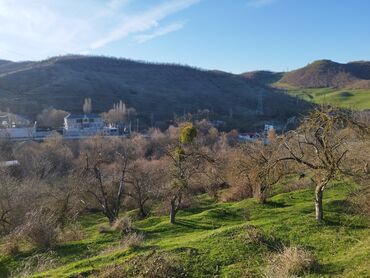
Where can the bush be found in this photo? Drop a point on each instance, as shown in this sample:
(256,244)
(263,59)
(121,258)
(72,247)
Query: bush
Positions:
(11,246)
(361,201)
(73,232)
(132,240)
(40,229)
(124,225)
(291,261)
(36,263)
(149,266)
(103,229)
(112,271)
(254,235)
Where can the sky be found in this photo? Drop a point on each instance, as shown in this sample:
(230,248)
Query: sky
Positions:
(230,35)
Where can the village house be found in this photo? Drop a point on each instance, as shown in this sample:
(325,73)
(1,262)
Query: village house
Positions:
(83,125)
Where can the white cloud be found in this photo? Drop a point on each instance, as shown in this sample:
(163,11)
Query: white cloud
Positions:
(259,3)
(35,29)
(143,22)
(159,32)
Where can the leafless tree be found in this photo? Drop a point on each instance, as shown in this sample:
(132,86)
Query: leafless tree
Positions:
(258,165)
(321,145)
(143,183)
(186,161)
(87,106)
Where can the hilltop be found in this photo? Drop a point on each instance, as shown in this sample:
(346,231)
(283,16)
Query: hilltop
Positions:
(326,73)
(154,90)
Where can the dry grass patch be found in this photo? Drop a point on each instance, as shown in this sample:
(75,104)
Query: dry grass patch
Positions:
(290,262)
(123,225)
(154,265)
(37,263)
(10,246)
(40,229)
(132,240)
(73,232)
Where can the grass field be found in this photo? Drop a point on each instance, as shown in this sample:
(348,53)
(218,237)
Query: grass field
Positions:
(209,240)
(354,99)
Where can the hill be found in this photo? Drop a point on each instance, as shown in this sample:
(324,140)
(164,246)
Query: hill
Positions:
(234,239)
(323,81)
(155,90)
(326,73)
(263,77)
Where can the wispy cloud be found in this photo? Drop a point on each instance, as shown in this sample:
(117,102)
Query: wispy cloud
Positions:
(143,22)
(259,3)
(159,32)
(40,28)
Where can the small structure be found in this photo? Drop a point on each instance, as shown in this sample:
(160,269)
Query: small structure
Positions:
(249,136)
(10,163)
(16,127)
(83,125)
(268,128)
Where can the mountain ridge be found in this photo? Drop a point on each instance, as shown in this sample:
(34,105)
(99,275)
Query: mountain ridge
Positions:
(155,90)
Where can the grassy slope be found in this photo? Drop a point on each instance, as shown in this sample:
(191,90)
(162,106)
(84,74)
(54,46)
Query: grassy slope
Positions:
(347,98)
(209,241)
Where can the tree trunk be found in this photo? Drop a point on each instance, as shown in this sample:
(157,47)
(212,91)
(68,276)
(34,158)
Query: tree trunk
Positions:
(142,212)
(318,203)
(173,212)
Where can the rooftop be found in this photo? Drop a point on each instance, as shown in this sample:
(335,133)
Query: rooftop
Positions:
(82,116)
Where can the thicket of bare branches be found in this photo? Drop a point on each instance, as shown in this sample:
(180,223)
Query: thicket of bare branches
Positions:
(162,172)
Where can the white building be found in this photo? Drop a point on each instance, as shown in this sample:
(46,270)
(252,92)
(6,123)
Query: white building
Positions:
(18,132)
(83,125)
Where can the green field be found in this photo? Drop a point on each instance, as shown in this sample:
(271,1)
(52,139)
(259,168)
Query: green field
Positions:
(209,240)
(346,98)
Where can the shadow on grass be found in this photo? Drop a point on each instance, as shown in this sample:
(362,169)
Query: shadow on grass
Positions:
(338,223)
(4,272)
(275,204)
(195,225)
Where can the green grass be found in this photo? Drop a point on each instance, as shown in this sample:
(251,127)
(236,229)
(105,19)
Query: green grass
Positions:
(208,239)
(351,98)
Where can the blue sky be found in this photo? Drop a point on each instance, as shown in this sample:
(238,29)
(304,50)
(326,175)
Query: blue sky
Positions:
(230,35)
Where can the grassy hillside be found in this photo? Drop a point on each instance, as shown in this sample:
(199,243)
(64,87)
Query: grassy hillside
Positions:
(358,99)
(156,91)
(212,239)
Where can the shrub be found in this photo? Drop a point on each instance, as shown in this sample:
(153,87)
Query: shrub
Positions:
(361,201)
(291,261)
(132,240)
(40,229)
(36,263)
(11,246)
(73,232)
(103,229)
(124,225)
(253,235)
(112,271)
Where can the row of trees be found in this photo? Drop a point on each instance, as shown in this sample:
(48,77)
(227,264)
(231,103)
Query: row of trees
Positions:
(164,172)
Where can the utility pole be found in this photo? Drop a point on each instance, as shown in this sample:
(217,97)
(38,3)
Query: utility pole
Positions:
(152,119)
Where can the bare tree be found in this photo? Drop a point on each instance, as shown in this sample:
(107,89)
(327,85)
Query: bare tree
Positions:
(186,162)
(87,106)
(51,117)
(321,145)
(119,114)
(143,182)
(104,171)
(258,165)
